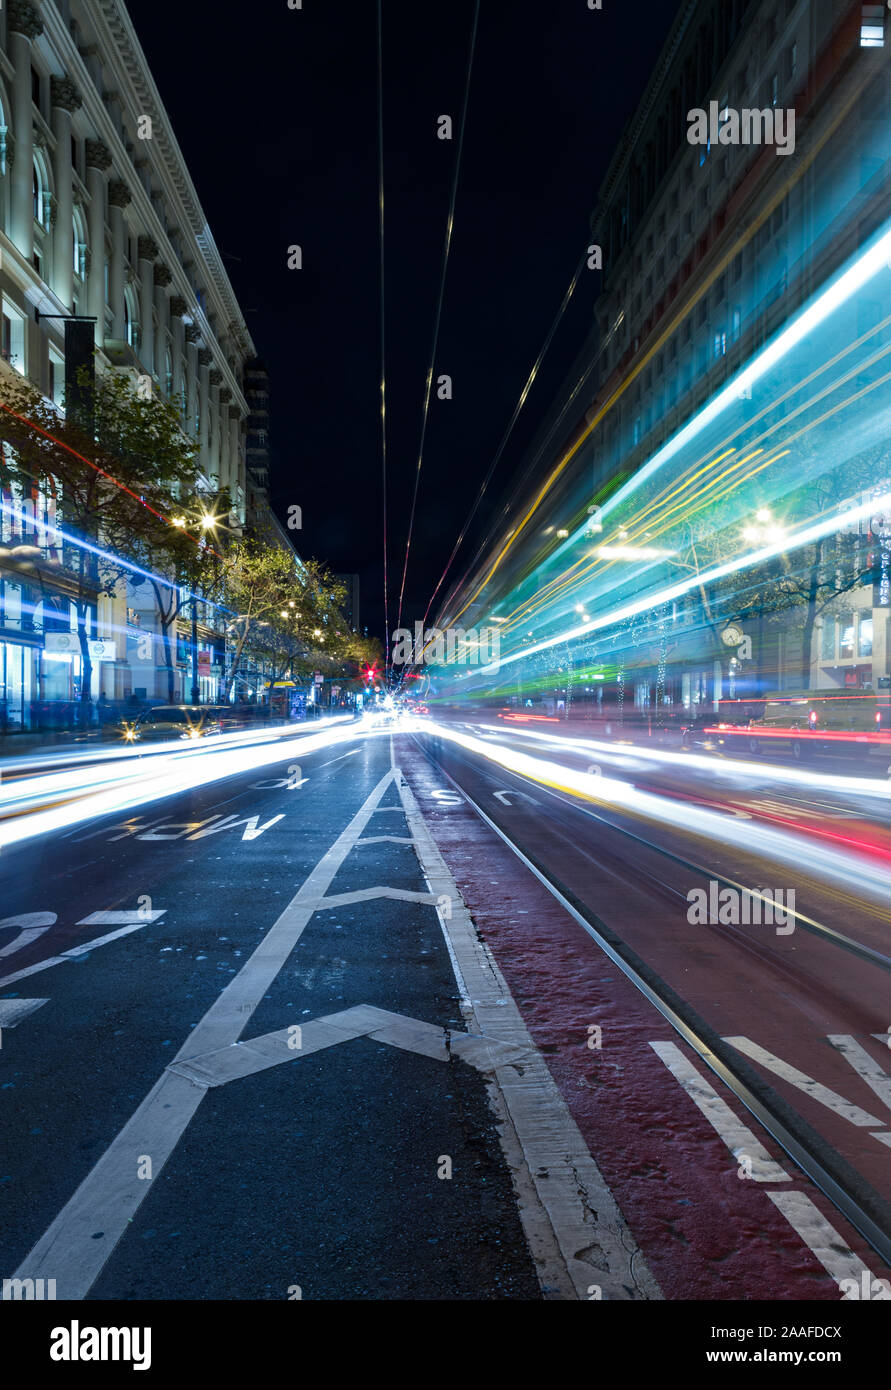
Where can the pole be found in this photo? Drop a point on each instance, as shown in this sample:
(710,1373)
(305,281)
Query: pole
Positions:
(195,690)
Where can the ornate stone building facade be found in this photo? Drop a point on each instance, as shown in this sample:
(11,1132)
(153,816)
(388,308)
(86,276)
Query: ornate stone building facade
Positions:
(98,216)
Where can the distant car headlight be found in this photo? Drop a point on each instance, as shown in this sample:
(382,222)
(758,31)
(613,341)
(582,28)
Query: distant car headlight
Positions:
(130,735)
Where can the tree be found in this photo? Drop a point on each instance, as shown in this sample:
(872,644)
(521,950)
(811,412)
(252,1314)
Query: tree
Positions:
(113,489)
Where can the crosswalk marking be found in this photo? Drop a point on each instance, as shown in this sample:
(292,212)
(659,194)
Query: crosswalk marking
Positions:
(814,1089)
(738,1137)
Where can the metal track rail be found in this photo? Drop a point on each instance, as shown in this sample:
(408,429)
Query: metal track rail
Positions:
(865,1209)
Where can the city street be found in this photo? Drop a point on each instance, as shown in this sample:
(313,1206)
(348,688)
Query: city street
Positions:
(445,681)
(253,1029)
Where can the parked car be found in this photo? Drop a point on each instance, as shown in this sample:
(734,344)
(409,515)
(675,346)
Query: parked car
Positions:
(169,722)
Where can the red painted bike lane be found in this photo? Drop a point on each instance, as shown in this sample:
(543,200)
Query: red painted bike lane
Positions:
(707,1232)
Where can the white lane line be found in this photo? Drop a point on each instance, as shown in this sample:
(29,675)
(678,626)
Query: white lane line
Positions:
(865,1066)
(15,1011)
(575,1231)
(815,1089)
(122,917)
(72,1251)
(739,1139)
(351,754)
(822,1239)
(72,954)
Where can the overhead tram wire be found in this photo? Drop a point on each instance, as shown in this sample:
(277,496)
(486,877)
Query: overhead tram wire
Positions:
(521,401)
(445,263)
(383,382)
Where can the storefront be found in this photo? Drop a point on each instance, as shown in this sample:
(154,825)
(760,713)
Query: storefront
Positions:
(18,685)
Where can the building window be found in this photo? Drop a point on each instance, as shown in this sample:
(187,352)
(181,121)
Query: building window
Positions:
(42,197)
(846,637)
(736,322)
(864,643)
(13,337)
(872,27)
(827,640)
(56,377)
(35,88)
(80,246)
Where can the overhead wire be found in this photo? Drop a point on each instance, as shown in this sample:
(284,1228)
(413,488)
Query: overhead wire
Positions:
(442,282)
(383,376)
(521,401)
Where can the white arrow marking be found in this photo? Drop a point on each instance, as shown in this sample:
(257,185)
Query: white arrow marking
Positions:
(109,1197)
(411,1034)
(364,895)
(386,839)
(503,797)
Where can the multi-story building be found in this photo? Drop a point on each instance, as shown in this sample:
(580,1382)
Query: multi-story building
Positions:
(708,250)
(99,217)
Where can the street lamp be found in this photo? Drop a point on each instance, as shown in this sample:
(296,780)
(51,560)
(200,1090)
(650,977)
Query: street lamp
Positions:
(208,522)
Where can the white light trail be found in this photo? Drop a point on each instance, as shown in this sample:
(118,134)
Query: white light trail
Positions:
(827,526)
(32,812)
(727,767)
(771,843)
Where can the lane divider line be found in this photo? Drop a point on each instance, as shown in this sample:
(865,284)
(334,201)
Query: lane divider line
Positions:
(739,1139)
(568,1194)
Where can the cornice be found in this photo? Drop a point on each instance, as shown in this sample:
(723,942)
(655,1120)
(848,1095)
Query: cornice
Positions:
(118,45)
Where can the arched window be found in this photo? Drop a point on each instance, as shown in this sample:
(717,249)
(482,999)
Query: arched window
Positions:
(80,245)
(131,322)
(4,163)
(42,195)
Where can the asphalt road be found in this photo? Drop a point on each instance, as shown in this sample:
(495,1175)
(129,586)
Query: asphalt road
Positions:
(809,1012)
(320,1178)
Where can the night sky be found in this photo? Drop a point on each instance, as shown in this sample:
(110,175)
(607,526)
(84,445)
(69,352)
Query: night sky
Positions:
(276,114)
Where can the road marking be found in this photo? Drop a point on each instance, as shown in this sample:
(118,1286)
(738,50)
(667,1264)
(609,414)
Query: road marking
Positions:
(386,839)
(123,917)
(822,1239)
(504,795)
(865,1066)
(15,1011)
(351,754)
(575,1230)
(739,1139)
(87,946)
(811,1088)
(364,895)
(32,924)
(111,1194)
(380,1025)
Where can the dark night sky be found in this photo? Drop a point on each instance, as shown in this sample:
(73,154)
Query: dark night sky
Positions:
(276,113)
